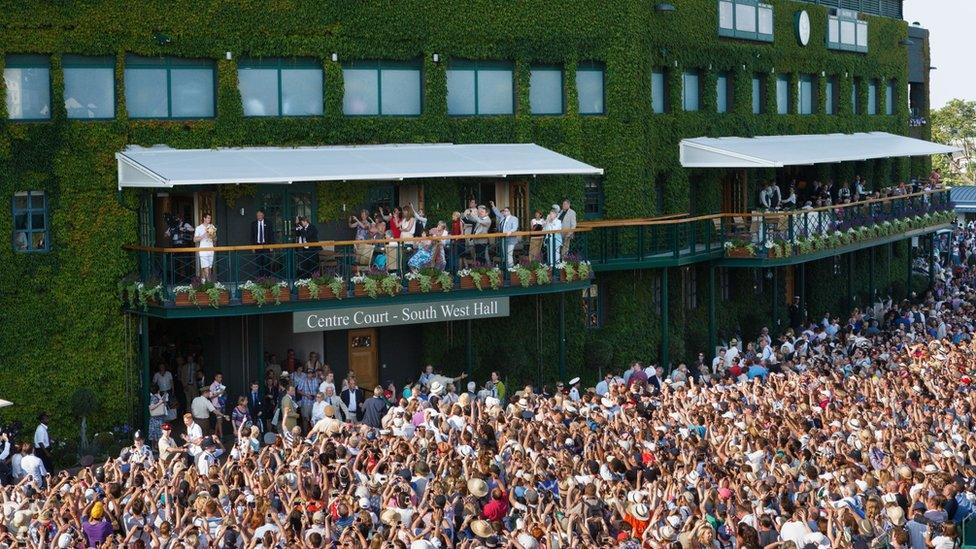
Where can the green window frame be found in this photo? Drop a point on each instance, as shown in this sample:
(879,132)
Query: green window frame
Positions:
(72,63)
(847,32)
(280,66)
(723,92)
(659,91)
(593,307)
(25,68)
(535,89)
(456,68)
(134,64)
(831,91)
(872,97)
(758,94)
(890,97)
(855,105)
(593,198)
(783,102)
(380,67)
(691,90)
(746,20)
(587,106)
(807,94)
(31,228)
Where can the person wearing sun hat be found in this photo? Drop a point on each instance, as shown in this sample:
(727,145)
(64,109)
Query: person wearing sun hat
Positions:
(574,394)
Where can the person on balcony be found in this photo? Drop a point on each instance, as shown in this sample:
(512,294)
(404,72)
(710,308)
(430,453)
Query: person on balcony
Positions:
(361,224)
(537,224)
(480,223)
(205,235)
(769,196)
(790,201)
(567,218)
(180,235)
(508,224)
(554,241)
(844,193)
(262,232)
(305,232)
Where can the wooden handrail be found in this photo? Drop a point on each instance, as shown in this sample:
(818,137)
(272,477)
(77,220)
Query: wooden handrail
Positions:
(333,243)
(616,222)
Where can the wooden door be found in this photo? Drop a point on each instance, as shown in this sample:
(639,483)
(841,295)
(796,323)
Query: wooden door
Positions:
(364,358)
(734,192)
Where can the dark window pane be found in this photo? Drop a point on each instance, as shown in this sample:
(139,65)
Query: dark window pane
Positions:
(37,221)
(20,222)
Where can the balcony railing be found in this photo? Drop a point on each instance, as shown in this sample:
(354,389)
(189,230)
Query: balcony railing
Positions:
(780,234)
(340,269)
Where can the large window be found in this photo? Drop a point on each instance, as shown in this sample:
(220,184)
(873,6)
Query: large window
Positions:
(480,88)
(783,94)
(89,87)
(589,88)
(280,87)
(873,97)
(807,92)
(846,32)
(546,90)
(169,87)
(382,88)
(30,222)
(28,82)
(855,104)
(691,91)
(659,91)
(830,101)
(748,19)
(691,288)
(592,307)
(758,94)
(890,98)
(723,93)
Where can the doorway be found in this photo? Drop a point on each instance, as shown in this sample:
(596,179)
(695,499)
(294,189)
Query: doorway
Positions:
(282,206)
(734,192)
(364,357)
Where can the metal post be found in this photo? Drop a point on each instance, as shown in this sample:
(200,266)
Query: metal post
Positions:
(665,351)
(871,278)
(850,283)
(803,294)
(562,335)
(144,371)
(931,260)
(908,284)
(262,366)
(776,297)
(711,311)
(468,352)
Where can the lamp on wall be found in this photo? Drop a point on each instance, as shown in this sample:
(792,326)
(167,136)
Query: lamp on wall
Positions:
(436,57)
(335,56)
(664,7)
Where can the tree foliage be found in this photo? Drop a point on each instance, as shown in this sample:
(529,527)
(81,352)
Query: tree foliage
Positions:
(955,124)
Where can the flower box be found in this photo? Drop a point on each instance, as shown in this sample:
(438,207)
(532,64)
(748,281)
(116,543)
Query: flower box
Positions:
(413,286)
(248,299)
(359,290)
(203,299)
(533,279)
(467,282)
(739,252)
(325,292)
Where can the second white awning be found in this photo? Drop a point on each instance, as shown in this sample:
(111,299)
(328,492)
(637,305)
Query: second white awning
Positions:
(165,167)
(776,151)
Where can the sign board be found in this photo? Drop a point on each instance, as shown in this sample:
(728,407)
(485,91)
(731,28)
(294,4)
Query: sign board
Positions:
(399,314)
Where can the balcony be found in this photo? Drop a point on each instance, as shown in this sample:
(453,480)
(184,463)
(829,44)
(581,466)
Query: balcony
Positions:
(764,238)
(290,277)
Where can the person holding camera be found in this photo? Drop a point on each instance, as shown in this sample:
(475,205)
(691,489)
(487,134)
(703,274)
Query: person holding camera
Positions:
(180,235)
(305,232)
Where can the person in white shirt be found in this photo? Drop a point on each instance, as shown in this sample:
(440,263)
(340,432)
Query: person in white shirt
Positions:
(603,387)
(42,441)
(732,352)
(33,466)
(164,379)
(318,408)
(193,436)
(16,470)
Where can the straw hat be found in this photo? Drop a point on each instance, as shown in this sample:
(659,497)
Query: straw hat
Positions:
(896,515)
(477,487)
(436,388)
(390,517)
(639,511)
(482,529)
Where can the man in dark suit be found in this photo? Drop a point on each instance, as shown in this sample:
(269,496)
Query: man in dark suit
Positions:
(354,398)
(307,260)
(255,407)
(262,232)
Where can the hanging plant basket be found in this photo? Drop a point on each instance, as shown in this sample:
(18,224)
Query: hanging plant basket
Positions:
(202,299)
(325,292)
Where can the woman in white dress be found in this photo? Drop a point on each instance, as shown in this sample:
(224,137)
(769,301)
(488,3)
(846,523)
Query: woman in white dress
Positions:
(206,237)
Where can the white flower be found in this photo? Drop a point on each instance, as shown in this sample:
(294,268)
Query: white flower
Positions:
(770,244)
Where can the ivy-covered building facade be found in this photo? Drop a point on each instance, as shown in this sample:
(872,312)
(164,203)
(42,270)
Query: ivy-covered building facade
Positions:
(616,85)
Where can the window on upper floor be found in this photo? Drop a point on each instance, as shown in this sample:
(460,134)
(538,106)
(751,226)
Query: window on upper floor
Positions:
(546,90)
(830,99)
(845,31)
(280,87)
(31,230)
(691,288)
(480,88)
(890,97)
(28,87)
(873,97)
(589,88)
(170,87)
(659,91)
(855,104)
(89,87)
(783,94)
(691,91)
(592,307)
(747,19)
(382,88)
(807,91)
(758,93)
(593,198)
(723,93)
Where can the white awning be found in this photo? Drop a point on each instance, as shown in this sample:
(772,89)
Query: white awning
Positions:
(161,166)
(776,151)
